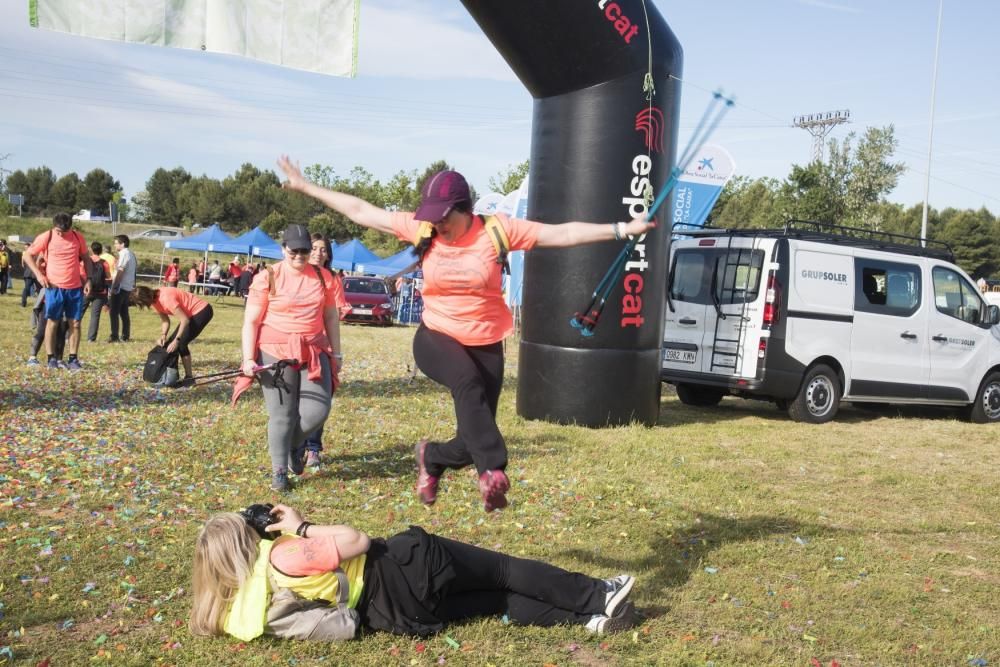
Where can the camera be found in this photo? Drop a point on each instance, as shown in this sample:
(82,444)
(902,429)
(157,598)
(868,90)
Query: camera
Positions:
(259,517)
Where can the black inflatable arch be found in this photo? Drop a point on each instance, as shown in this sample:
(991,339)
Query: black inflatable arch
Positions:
(596,142)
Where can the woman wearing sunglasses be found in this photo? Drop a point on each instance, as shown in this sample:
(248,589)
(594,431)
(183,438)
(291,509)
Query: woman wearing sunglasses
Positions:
(460,340)
(291,313)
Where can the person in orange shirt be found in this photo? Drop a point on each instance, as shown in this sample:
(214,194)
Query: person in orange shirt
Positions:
(320,256)
(193,315)
(291,313)
(459,343)
(63,249)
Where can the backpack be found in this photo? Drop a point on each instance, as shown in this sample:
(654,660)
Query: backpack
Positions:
(292,617)
(98,276)
(161,367)
(494,230)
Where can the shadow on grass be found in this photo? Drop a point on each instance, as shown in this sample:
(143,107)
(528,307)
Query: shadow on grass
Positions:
(675,413)
(397,460)
(678,553)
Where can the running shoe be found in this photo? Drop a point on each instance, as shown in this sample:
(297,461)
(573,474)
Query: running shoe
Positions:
(625,619)
(618,589)
(312,459)
(53,365)
(74,365)
(427,484)
(493,486)
(279,481)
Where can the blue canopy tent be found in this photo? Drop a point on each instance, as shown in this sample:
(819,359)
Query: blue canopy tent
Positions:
(394,265)
(256,242)
(351,255)
(212,239)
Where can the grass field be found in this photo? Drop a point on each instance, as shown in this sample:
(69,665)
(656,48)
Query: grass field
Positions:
(872,540)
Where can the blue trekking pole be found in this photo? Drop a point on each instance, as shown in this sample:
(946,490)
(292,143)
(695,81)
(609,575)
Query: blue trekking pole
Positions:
(586,320)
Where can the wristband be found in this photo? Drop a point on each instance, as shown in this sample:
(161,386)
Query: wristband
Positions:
(619,228)
(303,527)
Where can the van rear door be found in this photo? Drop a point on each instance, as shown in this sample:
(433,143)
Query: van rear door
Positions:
(689,284)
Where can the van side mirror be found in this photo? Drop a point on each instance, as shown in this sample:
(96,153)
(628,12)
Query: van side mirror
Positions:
(992,315)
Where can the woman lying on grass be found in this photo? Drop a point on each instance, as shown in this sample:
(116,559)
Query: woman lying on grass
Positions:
(323,582)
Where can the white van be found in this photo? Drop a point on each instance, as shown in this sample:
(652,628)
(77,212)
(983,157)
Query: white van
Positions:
(810,315)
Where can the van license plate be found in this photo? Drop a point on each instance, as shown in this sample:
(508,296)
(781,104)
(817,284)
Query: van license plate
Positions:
(680,356)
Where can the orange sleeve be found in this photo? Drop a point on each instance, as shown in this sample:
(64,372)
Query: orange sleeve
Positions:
(522,234)
(330,287)
(40,244)
(82,243)
(258,292)
(306,556)
(404,226)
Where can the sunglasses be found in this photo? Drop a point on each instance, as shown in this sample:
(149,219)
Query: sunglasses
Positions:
(300,252)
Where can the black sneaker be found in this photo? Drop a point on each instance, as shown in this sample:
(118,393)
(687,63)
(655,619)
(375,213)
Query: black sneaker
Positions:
(297,459)
(279,482)
(626,619)
(618,589)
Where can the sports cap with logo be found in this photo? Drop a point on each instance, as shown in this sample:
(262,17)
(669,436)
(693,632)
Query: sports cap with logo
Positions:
(440,194)
(296,237)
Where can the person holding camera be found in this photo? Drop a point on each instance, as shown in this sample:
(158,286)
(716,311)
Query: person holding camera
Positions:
(291,313)
(459,343)
(324,582)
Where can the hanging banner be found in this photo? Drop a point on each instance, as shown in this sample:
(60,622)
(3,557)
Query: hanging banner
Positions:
(699,187)
(317,36)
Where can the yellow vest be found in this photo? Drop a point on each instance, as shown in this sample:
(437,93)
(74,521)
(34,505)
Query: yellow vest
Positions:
(247,613)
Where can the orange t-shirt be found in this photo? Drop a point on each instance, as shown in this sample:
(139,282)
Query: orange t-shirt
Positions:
(62,254)
(462,291)
(170,299)
(299,300)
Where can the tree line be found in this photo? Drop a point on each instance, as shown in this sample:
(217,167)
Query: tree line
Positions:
(850,188)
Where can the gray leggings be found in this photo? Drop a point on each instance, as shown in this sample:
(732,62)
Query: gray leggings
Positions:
(294,413)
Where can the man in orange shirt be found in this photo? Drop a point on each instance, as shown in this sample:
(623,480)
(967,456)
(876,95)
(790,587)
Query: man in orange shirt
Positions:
(63,249)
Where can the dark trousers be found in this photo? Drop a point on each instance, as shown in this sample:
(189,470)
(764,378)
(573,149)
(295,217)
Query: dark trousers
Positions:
(28,291)
(4,277)
(61,334)
(96,305)
(530,592)
(474,375)
(196,325)
(119,311)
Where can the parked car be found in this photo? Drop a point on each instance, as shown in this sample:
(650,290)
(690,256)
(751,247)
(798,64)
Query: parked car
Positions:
(160,234)
(810,315)
(369,300)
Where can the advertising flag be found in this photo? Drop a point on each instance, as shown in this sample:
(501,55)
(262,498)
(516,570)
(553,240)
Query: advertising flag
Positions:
(699,187)
(318,36)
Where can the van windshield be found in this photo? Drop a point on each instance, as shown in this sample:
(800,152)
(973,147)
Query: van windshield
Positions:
(737,275)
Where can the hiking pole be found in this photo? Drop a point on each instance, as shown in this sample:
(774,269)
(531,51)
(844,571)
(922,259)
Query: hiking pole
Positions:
(225,375)
(586,320)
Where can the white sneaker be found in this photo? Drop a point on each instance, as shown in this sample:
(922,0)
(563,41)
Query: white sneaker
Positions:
(618,591)
(625,619)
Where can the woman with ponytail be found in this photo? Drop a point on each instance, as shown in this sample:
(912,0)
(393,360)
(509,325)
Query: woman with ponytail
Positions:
(459,343)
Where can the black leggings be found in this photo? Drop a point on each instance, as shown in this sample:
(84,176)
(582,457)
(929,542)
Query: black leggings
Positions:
(529,592)
(474,375)
(196,325)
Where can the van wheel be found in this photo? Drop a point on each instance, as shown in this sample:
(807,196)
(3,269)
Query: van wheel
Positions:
(986,409)
(702,397)
(819,397)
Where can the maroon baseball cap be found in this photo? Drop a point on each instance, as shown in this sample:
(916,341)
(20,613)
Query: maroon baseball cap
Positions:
(440,194)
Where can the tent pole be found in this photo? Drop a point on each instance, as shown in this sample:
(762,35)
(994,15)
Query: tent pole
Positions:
(163,251)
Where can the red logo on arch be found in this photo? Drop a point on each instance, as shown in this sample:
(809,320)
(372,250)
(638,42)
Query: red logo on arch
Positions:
(649,122)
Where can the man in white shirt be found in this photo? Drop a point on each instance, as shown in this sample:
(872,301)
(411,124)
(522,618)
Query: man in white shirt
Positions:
(121,288)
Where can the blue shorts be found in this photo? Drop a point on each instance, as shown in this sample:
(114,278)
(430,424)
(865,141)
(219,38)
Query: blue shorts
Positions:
(61,303)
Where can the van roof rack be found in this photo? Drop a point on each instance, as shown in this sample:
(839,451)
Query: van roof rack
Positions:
(838,234)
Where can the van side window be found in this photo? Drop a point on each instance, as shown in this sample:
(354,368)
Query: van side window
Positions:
(956,297)
(689,279)
(738,275)
(886,288)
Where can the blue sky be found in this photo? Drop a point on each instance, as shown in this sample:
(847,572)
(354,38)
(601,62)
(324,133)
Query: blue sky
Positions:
(430,86)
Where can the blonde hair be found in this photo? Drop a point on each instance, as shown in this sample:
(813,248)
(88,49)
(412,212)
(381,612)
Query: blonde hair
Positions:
(224,557)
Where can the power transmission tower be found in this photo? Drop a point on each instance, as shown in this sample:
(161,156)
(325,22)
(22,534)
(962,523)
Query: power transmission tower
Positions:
(819,125)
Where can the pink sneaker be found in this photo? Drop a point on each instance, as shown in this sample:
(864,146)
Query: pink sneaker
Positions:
(493,485)
(427,485)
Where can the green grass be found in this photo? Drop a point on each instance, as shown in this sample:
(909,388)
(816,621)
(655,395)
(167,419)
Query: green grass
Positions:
(757,541)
